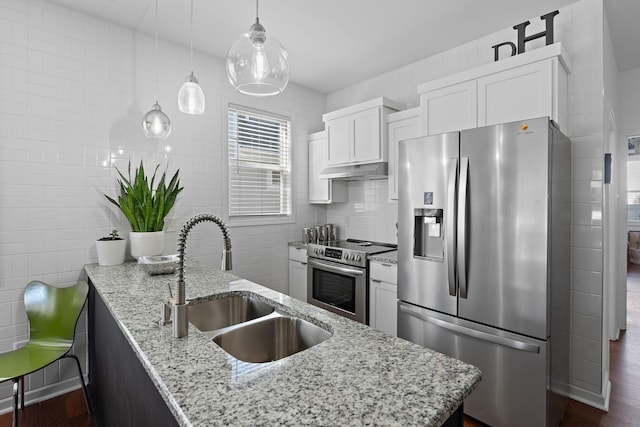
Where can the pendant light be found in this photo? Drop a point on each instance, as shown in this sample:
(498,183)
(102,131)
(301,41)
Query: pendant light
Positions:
(155,123)
(191,97)
(257,64)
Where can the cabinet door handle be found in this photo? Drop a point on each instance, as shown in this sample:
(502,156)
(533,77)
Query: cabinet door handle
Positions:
(376,280)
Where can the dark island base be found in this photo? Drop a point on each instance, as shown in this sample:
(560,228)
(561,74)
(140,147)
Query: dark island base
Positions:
(121,390)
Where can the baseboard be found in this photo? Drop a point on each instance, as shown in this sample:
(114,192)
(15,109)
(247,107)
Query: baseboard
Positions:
(42,394)
(600,401)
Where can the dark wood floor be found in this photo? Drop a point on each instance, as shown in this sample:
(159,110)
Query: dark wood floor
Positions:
(624,407)
(68,410)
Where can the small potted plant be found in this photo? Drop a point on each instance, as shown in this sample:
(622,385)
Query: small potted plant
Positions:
(145,206)
(111,249)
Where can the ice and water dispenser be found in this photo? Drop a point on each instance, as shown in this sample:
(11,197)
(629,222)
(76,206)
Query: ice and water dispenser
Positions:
(428,234)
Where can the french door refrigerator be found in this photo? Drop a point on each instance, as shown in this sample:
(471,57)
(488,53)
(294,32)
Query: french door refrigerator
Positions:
(483,262)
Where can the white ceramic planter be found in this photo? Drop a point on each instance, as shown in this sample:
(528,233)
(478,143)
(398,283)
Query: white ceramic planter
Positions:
(146,244)
(111,252)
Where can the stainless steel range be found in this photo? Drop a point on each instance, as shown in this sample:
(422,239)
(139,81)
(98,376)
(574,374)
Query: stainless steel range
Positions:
(338,276)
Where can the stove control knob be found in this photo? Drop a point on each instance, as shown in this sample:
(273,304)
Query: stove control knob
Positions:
(320,251)
(358,258)
(352,257)
(346,256)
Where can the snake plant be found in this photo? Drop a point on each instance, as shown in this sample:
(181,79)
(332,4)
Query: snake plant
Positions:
(144,206)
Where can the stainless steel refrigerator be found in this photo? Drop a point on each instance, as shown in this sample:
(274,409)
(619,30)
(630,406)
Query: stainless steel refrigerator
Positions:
(484,222)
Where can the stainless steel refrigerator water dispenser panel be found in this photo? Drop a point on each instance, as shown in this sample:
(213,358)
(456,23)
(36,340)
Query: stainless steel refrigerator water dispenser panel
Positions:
(428,235)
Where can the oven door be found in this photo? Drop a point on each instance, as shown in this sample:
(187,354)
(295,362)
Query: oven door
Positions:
(339,288)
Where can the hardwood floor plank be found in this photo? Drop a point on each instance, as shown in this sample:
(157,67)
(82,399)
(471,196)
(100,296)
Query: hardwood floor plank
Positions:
(68,410)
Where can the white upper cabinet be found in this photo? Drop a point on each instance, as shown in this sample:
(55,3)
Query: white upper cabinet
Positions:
(339,131)
(367,141)
(450,108)
(322,190)
(358,134)
(519,93)
(401,125)
(525,86)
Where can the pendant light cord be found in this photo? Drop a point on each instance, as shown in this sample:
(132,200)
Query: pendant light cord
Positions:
(257,15)
(155,52)
(191,38)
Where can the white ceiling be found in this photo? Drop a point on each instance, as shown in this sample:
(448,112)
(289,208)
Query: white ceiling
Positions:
(335,43)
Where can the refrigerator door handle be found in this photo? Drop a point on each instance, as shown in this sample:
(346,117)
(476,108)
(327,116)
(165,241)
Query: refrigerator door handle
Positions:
(461,330)
(462,226)
(451,226)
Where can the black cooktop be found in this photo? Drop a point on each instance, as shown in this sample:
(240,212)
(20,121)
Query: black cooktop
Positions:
(365,246)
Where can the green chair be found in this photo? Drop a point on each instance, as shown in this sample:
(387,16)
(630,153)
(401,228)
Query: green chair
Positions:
(53,313)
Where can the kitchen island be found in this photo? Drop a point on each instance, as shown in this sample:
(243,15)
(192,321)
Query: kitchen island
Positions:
(359,376)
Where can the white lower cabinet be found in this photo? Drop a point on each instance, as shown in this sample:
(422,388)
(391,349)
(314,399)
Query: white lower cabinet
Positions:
(298,273)
(383,295)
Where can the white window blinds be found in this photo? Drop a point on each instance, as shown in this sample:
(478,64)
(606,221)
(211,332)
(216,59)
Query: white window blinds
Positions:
(259,158)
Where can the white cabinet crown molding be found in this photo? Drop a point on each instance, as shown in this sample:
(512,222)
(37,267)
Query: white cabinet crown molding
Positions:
(352,109)
(404,114)
(546,52)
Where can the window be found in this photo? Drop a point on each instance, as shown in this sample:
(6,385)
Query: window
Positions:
(259,157)
(633,179)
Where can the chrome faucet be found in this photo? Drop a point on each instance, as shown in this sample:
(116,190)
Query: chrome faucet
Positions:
(179,313)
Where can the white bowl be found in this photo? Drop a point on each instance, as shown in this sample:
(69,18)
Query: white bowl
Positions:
(159,264)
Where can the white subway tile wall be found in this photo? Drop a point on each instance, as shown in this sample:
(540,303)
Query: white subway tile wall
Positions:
(367,214)
(580,28)
(73,90)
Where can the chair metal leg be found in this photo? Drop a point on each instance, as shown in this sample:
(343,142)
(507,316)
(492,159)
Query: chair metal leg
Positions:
(22,392)
(84,387)
(15,401)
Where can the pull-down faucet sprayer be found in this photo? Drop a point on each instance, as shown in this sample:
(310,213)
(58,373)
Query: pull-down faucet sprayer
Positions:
(179,310)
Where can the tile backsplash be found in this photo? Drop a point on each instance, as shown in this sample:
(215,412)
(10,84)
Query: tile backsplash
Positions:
(368,214)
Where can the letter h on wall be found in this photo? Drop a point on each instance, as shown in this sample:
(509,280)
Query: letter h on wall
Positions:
(522,39)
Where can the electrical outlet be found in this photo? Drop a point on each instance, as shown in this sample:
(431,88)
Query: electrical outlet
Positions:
(18,344)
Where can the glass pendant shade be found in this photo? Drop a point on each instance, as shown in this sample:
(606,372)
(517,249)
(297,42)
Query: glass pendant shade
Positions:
(191,97)
(156,124)
(257,64)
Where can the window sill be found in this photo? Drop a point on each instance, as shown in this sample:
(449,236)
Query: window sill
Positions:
(257,221)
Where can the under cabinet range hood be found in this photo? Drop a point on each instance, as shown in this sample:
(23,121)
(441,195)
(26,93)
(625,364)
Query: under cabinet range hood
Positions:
(356,172)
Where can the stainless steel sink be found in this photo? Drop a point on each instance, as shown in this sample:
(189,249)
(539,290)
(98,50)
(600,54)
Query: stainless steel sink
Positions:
(269,339)
(211,315)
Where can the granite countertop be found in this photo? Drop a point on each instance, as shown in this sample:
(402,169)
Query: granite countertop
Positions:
(385,257)
(298,245)
(359,376)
